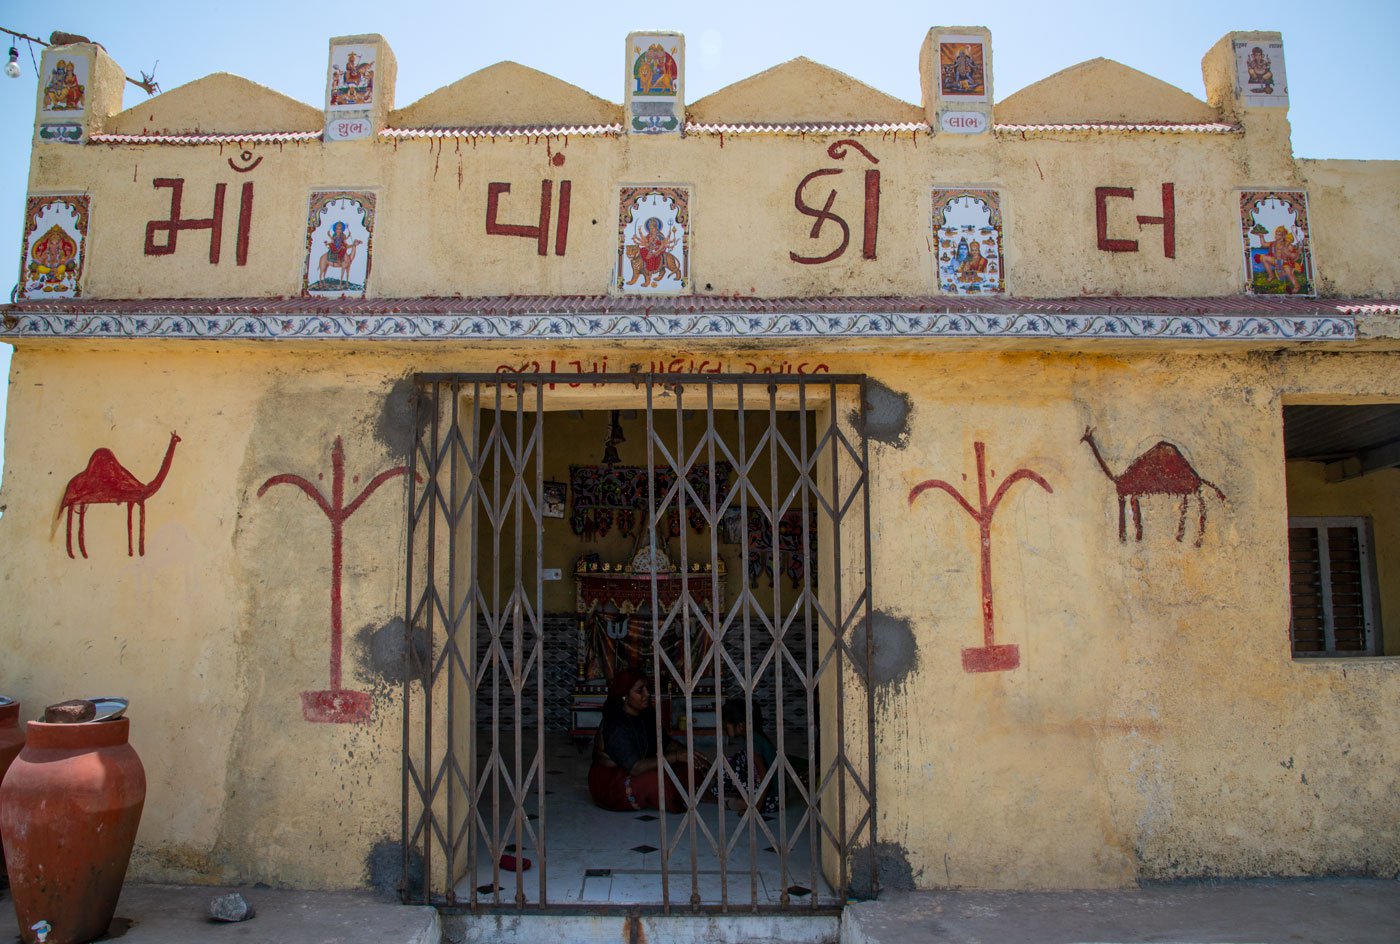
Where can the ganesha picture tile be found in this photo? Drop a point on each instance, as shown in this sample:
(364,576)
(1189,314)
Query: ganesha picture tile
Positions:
(967,232)
(962,68)
(65,84)
(1277,242)
(1259,73)
(655,63)
(339,243)
(653,240)
(352,76)
(55,233)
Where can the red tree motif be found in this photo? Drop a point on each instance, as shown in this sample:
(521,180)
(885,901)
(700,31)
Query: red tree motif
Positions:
(335,705)
(989,657)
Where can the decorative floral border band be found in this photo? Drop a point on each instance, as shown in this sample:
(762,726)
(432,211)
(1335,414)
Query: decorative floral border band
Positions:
(627,326)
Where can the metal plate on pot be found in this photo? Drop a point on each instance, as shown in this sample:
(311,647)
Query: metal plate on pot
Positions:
(109,708)
(6,701)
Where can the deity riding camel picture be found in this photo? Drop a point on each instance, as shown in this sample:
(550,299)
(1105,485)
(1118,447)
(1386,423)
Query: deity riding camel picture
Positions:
(339,238)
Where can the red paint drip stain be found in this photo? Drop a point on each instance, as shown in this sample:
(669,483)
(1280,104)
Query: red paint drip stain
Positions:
(335,705)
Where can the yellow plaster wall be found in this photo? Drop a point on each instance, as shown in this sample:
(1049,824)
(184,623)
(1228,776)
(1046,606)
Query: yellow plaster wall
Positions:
(1372,496)
(430,233)
(1155,728)
(1345,200)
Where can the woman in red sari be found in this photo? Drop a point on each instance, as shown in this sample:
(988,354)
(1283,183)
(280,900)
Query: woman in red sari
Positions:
(626,772)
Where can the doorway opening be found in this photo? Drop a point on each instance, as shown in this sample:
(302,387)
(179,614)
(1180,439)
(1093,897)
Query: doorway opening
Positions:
(706,532)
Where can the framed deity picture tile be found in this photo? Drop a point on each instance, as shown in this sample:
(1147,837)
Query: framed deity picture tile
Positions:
(1277,242)
(655,83)
(53,247)
(1259,72)
(962,68)
(339,243)
(967,231)
(65,78)
(352,77)
(556,499)
(654,240)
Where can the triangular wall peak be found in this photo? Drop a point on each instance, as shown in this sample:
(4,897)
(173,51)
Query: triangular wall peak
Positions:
(507,93)
(1102,90)
(801,90)
(221,103)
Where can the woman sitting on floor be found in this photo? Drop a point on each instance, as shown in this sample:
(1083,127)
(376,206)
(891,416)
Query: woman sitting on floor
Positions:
(626,772)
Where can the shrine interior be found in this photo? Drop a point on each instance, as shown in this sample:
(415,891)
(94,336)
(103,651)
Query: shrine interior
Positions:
(590,564)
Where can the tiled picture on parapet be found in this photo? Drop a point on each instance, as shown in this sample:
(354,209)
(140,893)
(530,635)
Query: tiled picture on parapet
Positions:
(1259,72)
(55,231)
(962,70)
(1277,242)
(654,63)
(65,86)
(64,94)
(339,243)
(654,239)
(968,239)
(352,76)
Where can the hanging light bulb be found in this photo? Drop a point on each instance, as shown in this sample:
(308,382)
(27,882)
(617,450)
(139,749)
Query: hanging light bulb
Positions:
(12,67)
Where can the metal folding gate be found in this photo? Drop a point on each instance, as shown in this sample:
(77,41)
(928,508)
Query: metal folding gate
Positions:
(475,786)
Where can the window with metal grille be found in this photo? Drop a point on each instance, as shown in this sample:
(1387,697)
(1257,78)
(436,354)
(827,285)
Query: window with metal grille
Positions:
(1332,586)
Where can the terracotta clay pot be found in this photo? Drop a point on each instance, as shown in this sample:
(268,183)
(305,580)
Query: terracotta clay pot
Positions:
(11,740)
(69,808)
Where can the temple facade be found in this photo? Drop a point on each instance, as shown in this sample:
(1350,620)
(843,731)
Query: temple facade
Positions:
(1031,461)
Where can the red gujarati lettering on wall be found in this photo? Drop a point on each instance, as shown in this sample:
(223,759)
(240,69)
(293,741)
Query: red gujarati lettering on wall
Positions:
(989,657)
(682,364)
(106,481)
(870,222)
(177,223)
(1167,220)
(336,705)
(1161,470)
(540,230)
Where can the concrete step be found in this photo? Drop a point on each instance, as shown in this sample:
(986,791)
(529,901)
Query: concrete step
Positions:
(178,914)
(1285,911)
(655,929)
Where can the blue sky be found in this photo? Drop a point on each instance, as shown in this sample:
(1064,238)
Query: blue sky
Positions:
(1343,56)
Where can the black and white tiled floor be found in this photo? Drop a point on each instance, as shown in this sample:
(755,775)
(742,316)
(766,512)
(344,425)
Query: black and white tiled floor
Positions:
(600,857)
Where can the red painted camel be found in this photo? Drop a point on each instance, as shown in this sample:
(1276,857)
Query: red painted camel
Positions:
(1161,470)
(106,481)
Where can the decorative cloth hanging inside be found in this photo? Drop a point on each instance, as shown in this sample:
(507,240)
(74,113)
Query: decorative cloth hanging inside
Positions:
(601,496)
(791,560)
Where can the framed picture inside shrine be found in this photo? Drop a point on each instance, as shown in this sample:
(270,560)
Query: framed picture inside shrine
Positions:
(556,497)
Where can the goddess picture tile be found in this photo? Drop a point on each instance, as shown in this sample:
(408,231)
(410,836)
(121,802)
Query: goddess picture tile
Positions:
(654,82)
(653,240)
(352,77)
(1259,72)
(339,243)
(967,233)
(962,68)
(65,78)
(55,231)
(1277,242)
